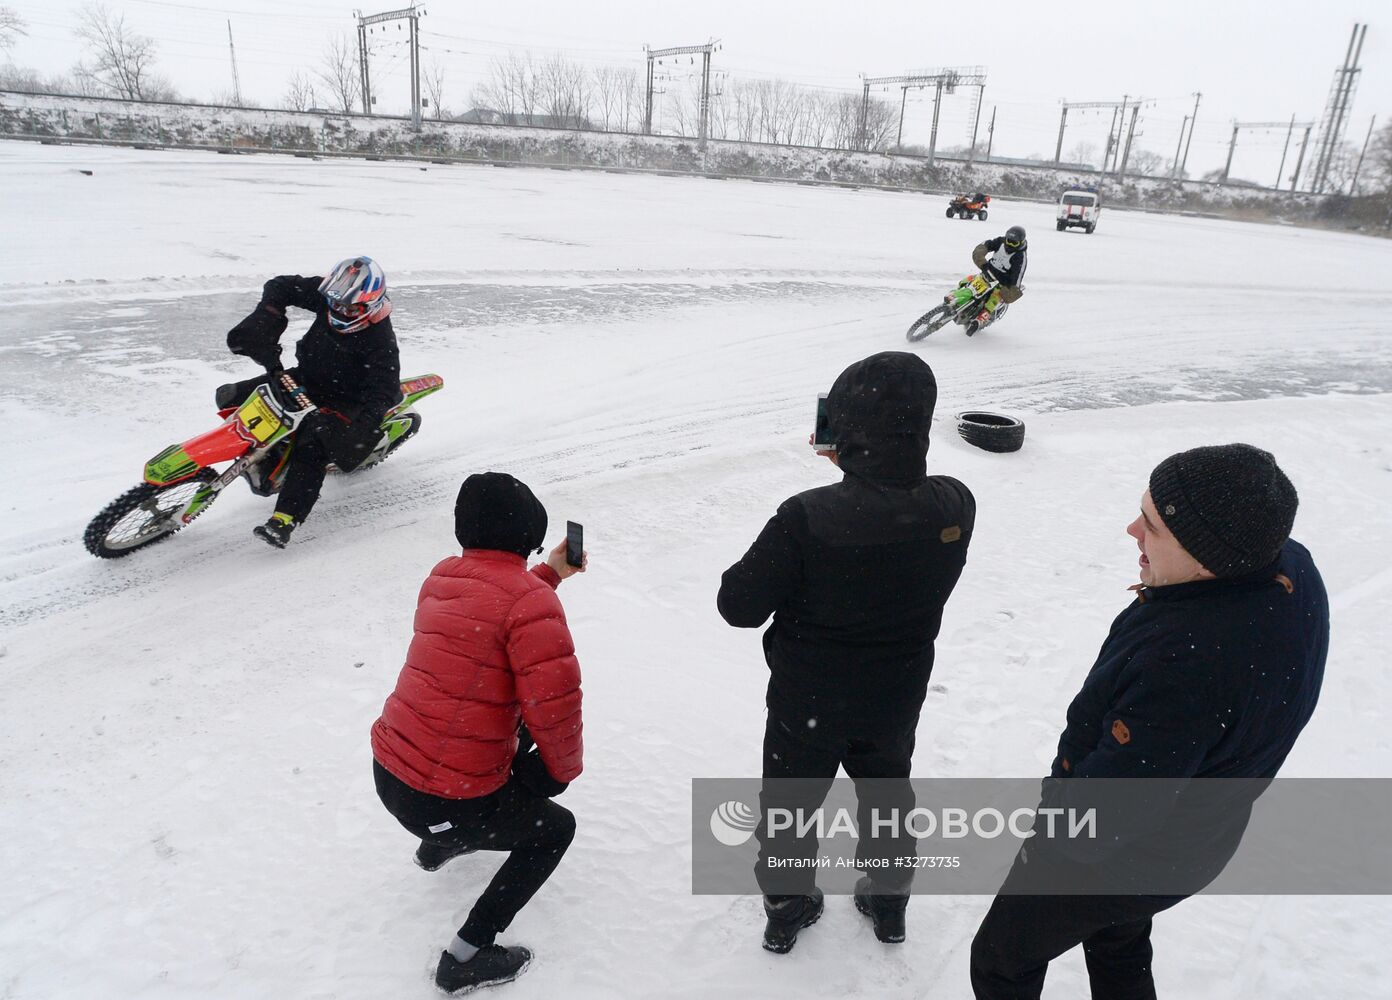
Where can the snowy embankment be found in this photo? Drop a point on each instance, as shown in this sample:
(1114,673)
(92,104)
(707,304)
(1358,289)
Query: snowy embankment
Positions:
(93,119)
(186,807)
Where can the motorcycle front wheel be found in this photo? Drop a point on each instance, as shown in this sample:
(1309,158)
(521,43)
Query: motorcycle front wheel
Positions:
(142,516)
(934,319)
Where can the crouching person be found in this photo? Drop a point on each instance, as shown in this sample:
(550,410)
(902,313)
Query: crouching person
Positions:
(491,669)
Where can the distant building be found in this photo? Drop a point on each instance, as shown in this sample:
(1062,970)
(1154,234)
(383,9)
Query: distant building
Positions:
(487,116)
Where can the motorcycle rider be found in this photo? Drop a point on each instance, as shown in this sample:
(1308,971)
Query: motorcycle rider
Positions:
(347,364)
(1003,261)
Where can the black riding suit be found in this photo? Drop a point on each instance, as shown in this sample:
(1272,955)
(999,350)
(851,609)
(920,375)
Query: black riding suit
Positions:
(353,378)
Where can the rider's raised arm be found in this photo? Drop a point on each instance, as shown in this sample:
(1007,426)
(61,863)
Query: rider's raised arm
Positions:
(258,336)
(293,290)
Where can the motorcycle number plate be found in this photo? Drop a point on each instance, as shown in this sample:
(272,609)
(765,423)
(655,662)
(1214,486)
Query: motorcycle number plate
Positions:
(978,284)
(259,419)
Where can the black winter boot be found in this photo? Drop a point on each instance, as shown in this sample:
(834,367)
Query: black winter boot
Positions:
(788,916)
(276,531)
(887,911)
(433,857)
(492,966)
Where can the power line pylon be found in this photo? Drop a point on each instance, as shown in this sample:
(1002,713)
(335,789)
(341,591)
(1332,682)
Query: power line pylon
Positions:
(943,81)
(411,14)
(681,50)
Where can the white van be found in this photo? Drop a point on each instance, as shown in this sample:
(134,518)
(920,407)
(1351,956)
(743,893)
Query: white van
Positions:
(1078,208)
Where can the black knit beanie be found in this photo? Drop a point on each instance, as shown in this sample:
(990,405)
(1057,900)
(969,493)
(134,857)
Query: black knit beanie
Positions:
(1229,505)
(496,511)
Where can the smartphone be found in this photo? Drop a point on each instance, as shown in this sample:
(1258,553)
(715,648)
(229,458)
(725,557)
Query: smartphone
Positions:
(575,544)
(821,435)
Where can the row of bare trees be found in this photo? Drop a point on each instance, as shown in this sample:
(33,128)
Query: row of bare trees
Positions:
(557,90)
(117,62)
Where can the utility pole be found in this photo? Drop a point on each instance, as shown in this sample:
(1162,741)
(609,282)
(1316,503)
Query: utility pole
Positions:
(1130,134)
(1353,188)
(980,93)
(681,50)
(1284,150)
(1305,142)
(948,80)
(991,133)
(1174,164)
(412,15)
(1063,123)
(236,81)
(1192,120)
(1231,147)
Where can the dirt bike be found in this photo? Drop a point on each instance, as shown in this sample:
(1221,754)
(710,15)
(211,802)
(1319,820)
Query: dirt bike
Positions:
(257,437)
(966,314)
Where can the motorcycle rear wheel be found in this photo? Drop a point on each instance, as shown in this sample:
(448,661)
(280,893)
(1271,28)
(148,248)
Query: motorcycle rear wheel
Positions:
(142,516)
(930,322)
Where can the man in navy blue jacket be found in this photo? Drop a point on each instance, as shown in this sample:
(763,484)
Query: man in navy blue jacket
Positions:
(1211,672)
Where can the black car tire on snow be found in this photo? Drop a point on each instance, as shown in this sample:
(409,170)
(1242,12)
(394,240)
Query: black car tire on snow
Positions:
(950,213)
(991,431)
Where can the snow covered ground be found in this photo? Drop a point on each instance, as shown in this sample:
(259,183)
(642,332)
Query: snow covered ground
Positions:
(186,805)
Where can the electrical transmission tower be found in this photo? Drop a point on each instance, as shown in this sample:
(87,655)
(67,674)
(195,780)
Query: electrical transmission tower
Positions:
(411,14)
(682,50)
(236,81)
(1290,128)
(1338,109)
(942,80)
(1114,153)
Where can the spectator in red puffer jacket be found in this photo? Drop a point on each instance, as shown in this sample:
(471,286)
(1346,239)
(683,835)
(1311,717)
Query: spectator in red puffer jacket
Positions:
(491,669)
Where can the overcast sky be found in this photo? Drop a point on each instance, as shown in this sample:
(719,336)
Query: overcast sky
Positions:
(1253,60)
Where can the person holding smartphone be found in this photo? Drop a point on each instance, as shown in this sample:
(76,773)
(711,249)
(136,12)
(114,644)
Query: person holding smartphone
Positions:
(484,728)
(855,575)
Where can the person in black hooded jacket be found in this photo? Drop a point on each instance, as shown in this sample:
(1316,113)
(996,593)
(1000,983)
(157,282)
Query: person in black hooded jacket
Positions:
(855,575)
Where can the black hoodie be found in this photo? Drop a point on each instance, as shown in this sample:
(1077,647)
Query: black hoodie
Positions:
(856,574)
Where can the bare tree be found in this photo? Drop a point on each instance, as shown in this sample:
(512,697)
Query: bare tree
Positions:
(512,88)
(563,91)
(122,62)
(1146,163)
(299,94)
(338,72)
(433,77)
(11,27)
(1082,152)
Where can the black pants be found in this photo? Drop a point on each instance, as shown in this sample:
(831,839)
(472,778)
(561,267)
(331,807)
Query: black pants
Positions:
(535,830)
(804,761)
(322,438)
(1022,934)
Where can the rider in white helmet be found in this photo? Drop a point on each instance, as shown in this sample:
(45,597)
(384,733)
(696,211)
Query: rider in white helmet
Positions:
(347,364)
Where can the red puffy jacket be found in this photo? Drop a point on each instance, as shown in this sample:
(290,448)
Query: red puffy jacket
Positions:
(491,649)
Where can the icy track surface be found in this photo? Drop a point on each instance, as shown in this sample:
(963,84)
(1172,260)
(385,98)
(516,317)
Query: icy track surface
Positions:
(186,804)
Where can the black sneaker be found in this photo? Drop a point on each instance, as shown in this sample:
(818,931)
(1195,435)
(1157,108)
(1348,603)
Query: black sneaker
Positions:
(275,532)
(433,857)
(887,911)
(789,916)
(490,967)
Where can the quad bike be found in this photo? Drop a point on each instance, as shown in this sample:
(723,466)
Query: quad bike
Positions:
(257,438)
(966,311)
(966,206)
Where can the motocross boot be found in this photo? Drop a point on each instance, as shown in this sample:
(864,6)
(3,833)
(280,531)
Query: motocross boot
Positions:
(276,531)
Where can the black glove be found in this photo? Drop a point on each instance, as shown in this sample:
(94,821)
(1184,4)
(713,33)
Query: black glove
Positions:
(257,337)
(529,769)
(989,272)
